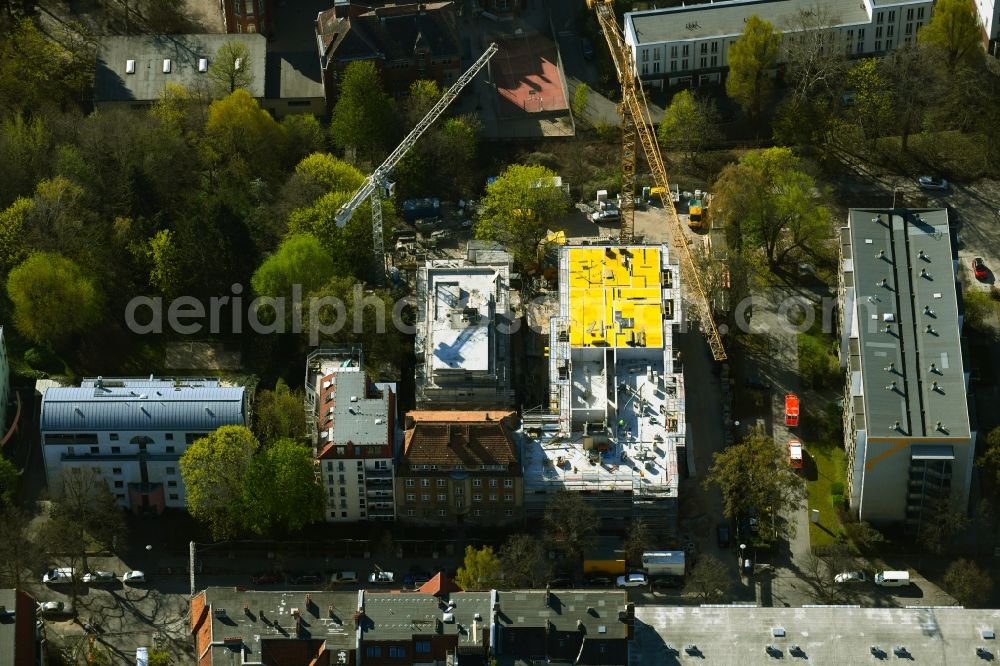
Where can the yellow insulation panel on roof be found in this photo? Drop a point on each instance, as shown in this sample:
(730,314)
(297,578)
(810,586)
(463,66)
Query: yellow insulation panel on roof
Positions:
(615,297)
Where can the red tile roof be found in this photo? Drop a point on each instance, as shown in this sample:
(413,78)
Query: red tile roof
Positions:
(439,586)
(474,438)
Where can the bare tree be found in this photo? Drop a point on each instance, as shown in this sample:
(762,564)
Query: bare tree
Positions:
(813,51)
(522,561)
(18,551)
(86,512)
(709,579)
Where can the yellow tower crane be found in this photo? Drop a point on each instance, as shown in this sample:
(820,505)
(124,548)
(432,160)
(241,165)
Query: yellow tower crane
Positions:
(637,127)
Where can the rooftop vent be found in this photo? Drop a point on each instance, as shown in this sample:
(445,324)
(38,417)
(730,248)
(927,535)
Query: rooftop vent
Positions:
(891,386)
(895,426)
(354,398)
(891,367)
(939,426)
(220,612)
(130,66)
(924,273)
(477,618)
(935,387)
(166,65)
(930,329)
(778,632)
(987,634)
(602,629)
(238,64)
(880,254)
(877,219)
(579,625)
(934,368)
(928,311)
(202,64)
(922,255)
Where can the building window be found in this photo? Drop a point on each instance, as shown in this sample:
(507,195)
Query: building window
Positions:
(861,34)
(459,503)
(120,496)
(477,512)
(171,484)
(493,497)
(889,30)
(422,647)
(425,497)
(508,512)
(340,466)
(410,483)
(704,48)
(459,490)
(878,32)
(343,504)
(343,491)
(909,14)
(879,17)
(715,47)
(508,498)
(442,497)
(673,65)
(361,463)
(477,498)
(888,44)
(174,496)
(920,13)
(508,483)
(909,28)
(425,483)
(330,491)
(411,512)
(361,478)
(442,513)
(441,483)
(373,651)
(170,436)
(645,55)
(329,479)
(673,51)
(171,471)
(396,651)
(119,484)
(114,437)
(907,40)
(645,68)
(170,449)
(684,63)
(919,26)
(703,63)
(95,449)
(411,497)
(878,45)
(684,50)
(477,483)
(493,483)
(715,61)
(656,53)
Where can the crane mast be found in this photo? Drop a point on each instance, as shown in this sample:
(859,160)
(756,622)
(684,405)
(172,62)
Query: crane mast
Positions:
(378,179)
(637,127)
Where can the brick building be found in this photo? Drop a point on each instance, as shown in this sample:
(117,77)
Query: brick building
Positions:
(247,15)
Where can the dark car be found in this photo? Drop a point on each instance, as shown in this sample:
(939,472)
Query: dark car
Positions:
(600,581)
(667,582)
(305,577)
(265,578)
(757,384)
(588,48)
(932,183)
(722,532)
(560,583)
(979,268)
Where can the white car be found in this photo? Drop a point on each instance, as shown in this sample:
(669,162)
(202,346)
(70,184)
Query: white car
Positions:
(133,577)
(850,577)
(381,577)
(58,576)
(50,608)
(932,183)
(98,577)
(632,580)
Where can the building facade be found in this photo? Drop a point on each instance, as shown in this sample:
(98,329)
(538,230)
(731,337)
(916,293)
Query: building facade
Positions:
(19,633)
(354,435)
(689,45)
(132,432)
(5,395)
(459,467)
(247,15)
(989,18)
(463,332)
(909,443)
(406,43)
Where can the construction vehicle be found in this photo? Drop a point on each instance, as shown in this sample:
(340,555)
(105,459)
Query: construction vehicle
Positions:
(637,128)
(698,210)
(377,184)
(791,410)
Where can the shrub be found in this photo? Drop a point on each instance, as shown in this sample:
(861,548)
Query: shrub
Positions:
(39,358)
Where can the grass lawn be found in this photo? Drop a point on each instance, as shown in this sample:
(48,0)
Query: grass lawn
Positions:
(829,463)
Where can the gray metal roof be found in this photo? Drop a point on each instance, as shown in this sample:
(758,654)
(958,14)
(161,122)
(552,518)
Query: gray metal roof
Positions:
(594,608)
(142,404)
(113,84)
(363,421)
(727,19)
(907,321)
(293,75)
(402,616)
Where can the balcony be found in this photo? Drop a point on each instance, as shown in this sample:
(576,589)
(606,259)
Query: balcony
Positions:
(381,512)
(378,474)
(380,493)
(379,482)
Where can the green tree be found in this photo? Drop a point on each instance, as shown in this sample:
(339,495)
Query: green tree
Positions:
(519,208)
(243,138)
(280,414)
(522,561)
(281,489)
(480,570)
(955,30)
(13,248)
(37,72)
(688,124)
(968,583)
(638,541)
(213,469)
(872,107)
(25,143)
(754,474)
(364,117)
(770,203)
(906,70)
(424,94)
(751,60)
(164,263)
(991,457)
(709,579)
(571,524)
(581,97)
(9,474)
(53,299)
(329,173)
(817,363)
(305,134)
(300,260)
(231,69)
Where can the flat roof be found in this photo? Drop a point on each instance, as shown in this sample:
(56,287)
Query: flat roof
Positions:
(614,296)
(906,312)
(825,635)
(727,19)
(363,421)
(404,615)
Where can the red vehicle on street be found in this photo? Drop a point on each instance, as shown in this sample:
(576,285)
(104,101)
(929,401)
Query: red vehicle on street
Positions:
(791,410)
(979,268)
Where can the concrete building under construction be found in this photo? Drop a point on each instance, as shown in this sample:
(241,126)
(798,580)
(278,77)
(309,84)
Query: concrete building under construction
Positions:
(615,424)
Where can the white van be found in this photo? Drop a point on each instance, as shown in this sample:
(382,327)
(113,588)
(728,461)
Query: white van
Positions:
(892,578)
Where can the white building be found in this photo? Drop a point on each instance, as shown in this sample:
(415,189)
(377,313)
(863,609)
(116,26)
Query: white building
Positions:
(4,384)
(134,431)
(463,331)
(616,425)
(907,433)
(989,17)
(689,45)
(355,435)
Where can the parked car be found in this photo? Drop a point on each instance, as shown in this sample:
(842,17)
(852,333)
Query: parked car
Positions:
(587,47)
(851,577)
(932,183)
(305,577)
(599,581)
(609,214)
(92,577)
(632,580)
(381,577)
(795,453)
(979,268)
(58,576)
(265,578)
(722,534)
(54,608)
(132,577)
(344,577)
(560,583)
(667,582)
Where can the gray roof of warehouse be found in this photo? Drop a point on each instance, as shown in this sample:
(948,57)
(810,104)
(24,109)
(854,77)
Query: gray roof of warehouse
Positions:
(355,422)
(725,19)
(113,84)
(401,616)
(913,282)
(131,404)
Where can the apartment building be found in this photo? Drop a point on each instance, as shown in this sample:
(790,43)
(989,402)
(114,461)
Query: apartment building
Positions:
(459,467)
(19,629)
(989,17)
(615,428)
(689,45)
(133,432)
(909,443)
(354,428)
(247,15)
(463,331)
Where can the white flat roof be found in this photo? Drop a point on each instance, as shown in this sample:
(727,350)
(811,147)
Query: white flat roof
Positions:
(461,317)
